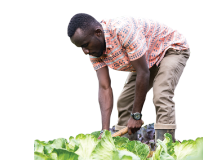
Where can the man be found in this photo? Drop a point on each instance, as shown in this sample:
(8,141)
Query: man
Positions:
(154,54)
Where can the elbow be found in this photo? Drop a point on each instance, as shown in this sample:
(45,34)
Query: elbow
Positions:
(144,74)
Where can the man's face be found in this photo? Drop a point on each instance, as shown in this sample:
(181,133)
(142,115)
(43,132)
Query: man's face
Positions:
(92,41)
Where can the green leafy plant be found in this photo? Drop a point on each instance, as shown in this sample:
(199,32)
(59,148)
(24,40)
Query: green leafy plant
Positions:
(89,147)
(186,150)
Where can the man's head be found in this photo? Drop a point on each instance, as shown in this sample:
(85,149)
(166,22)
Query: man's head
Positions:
(86,32)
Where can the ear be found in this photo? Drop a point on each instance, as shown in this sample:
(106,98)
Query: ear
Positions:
(98,31)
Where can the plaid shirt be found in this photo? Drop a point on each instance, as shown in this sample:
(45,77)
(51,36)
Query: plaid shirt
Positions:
(128,39)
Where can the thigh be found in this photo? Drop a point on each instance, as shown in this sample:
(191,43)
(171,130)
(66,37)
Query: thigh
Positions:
(165,82)
(128,93)
(129,86)
(170,69)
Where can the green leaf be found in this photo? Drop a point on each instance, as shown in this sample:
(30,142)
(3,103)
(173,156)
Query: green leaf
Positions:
(105,148)
(138,148)
(88,147)
(39,146)
(82,145)
(63,154)
(189,149)
(41,156)
(165,149)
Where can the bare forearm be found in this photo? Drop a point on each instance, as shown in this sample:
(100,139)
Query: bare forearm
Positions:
(106,105)
(142,84)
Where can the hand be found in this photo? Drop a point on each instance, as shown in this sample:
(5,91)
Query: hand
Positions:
(100,136)
(134,125)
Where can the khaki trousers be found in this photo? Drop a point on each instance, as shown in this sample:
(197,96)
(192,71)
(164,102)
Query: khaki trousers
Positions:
(164,80)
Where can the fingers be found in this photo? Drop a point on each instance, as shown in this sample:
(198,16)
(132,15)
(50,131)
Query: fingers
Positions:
(132,130)
(129,131)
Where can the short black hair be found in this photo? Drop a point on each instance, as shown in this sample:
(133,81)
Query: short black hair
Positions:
(80,20)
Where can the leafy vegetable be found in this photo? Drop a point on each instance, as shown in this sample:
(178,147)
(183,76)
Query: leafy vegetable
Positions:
(89,147)
(146,134)
(187,150)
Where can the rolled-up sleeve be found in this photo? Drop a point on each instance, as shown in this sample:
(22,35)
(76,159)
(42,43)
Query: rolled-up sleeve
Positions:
(97,62)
